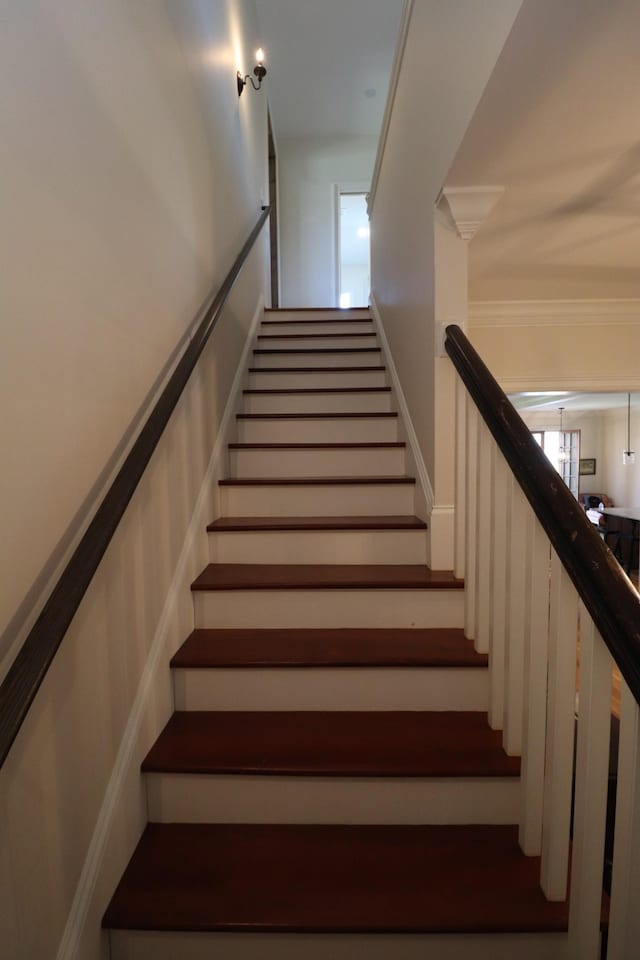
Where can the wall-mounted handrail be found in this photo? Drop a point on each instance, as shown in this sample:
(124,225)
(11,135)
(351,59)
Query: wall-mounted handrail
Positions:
(30,666)
(606,592)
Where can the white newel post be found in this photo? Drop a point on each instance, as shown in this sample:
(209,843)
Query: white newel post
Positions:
(624,920)
(460,502)
(471,489)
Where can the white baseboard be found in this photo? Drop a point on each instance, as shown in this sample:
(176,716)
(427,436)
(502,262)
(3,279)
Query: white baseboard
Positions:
(412,438)
(94,860)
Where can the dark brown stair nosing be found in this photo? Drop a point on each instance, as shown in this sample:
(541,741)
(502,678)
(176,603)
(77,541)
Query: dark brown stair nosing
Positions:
(338,320)
(390,445)
(347,523)
(333,309)
(315,336)
(331,743)
(377,368)
(307,648)
(310,391)
(315,481)
(341,879)
(317,350)
(326,415)
(256,576)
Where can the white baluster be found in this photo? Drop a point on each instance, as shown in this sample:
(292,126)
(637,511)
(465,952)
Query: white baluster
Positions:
(460,499)
(624,918)
(535,690)
(560,732)
(515,623)
(471,490)
(500,509)
(592,776)
(483,541)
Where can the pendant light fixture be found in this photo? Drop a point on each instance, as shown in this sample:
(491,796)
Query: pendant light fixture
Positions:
(628,455)
(562,451)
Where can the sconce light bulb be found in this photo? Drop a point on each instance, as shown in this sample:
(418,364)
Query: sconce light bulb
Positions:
(260,56)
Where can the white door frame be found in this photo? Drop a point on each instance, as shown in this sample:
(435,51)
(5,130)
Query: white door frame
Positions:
(353,186)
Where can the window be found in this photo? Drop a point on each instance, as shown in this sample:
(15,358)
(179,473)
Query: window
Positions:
(552,441)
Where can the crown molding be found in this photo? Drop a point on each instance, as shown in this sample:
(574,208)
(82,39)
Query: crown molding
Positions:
(470,206)
(542,313)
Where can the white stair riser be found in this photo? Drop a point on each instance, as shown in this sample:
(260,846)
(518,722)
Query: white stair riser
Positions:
(389,462)
(291,380)
(337,688)
(329,608)
(195,798)
(152,945)
(319,546)
(334,360)
(330,327)
(328,313)
(329,430)
(316,402)
(327,341)
(352,500)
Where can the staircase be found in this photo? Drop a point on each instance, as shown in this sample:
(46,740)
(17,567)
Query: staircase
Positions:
(328,785)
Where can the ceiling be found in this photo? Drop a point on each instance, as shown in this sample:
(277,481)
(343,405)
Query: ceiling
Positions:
(559,127)
(551,401)
(329,64)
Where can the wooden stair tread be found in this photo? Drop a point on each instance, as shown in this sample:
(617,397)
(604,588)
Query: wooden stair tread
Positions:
(235,524)
(337,320)
(313,336)
(317,350)
(372,369)
(343,647)
(388,445)
(313,481)
(322,879)
(330,309)
(331,744)
(329,415)
(257,576)
(307,391)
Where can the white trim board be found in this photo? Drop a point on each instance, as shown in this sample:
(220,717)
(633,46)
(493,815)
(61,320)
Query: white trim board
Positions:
(414,446)
(99,844)
(391,96)
(540,313)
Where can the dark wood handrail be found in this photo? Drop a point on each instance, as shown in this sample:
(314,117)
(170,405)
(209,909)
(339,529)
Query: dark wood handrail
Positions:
(606,592)
(36,654)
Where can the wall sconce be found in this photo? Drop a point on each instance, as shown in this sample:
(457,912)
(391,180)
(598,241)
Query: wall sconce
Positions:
(628,455)
(260,72)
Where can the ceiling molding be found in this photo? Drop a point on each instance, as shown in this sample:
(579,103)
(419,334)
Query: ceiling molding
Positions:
(470,207)
(542,313)
(403,33)
(580,384)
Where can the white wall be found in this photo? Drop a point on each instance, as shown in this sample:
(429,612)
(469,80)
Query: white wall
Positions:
(131,176)
(450,52)
(308,172)
(622,482)
(121,204)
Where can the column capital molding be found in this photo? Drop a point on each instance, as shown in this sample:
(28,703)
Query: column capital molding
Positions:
(469,206)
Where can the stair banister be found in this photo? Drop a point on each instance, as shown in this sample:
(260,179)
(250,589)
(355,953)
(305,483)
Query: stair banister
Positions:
(537,576)
(30,666)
